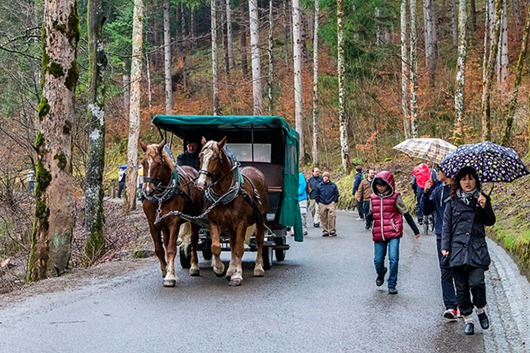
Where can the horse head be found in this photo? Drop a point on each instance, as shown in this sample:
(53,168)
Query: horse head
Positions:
(158,167)
(212,158)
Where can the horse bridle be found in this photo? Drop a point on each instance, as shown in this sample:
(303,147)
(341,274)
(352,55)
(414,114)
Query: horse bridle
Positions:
(168,190)
(213,175)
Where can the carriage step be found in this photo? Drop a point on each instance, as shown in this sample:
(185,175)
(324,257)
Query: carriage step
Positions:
(281,247)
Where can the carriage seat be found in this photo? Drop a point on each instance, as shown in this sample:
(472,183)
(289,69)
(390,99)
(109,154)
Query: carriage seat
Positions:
(273,174)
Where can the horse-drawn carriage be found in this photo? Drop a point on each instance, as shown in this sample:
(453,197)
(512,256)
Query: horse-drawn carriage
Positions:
(251,148)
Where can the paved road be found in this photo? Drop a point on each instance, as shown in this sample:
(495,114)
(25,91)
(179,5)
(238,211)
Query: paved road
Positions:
(322,298)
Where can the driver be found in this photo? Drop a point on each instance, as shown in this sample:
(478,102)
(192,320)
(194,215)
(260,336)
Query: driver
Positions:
(190,156)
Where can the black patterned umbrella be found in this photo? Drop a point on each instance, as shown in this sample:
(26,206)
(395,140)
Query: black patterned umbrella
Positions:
(492,162)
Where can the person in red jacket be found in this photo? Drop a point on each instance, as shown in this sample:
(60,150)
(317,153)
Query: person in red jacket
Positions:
(387,210)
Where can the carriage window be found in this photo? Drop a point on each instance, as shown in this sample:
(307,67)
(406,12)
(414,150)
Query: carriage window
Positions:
(243,152)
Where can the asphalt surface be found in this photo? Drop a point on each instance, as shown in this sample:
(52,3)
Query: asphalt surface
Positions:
(322,298)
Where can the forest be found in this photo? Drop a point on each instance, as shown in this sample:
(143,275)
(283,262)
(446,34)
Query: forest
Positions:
(80,82)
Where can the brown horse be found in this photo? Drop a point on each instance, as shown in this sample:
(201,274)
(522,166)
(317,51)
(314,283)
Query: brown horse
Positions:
(240,200)
(168,189)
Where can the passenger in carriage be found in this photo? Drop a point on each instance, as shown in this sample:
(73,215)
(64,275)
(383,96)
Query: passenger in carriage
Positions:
(190,157)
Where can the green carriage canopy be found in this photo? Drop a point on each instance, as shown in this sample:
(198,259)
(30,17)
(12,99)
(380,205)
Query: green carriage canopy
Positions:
(192,126)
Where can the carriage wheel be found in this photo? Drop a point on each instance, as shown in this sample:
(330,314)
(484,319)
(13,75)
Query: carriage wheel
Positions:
(185,261)
(268,255)
(279,253)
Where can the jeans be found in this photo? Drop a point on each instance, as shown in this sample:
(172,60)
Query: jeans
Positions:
(380,250)
(448,287)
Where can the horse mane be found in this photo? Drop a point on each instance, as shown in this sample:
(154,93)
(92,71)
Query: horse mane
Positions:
(169,160)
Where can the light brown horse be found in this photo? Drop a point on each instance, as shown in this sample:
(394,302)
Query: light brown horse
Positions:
(174,186)
(241,200)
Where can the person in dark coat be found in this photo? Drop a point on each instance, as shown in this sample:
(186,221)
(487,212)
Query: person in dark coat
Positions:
(312,183)
(327,198)
(464,245)
(190,157)
(434,200)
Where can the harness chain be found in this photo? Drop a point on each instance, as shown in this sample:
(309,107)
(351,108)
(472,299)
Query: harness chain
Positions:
(231,194)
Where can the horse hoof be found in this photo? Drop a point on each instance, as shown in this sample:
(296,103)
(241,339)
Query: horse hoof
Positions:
(235,282)
(170,283)
(259,273)
(219,274)
(195,272)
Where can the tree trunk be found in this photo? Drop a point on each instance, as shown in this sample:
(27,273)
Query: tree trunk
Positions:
(454,23)
(297,66)
(461,72)
(287,32)
(473,15)
(518,73)
(343,123)
(270,80)
(94,217)
(134,116)
(257,91)
(430,40)
(314,147)
(215,84)
(517,16)
(222,13)
(126,83)
(193,35)
(491,9)
(243,40)
(486,86)
(54,219)
(503,47)
(413,72)
(486,41)
(379,34)
(167,59)
(184,49)
(149,89)
(404,71)
(229,36)
(303,38)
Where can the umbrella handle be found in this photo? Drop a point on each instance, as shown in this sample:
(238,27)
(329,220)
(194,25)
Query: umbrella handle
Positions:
(492,185)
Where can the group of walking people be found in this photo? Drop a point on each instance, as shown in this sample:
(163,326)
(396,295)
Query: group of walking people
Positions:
(323,195)
(461,212)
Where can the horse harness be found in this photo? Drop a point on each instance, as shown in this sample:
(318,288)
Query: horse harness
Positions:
(237,188)
(173,188)
(233,192)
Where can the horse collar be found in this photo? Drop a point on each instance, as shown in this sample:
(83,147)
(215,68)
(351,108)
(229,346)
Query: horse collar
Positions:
(233,191)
